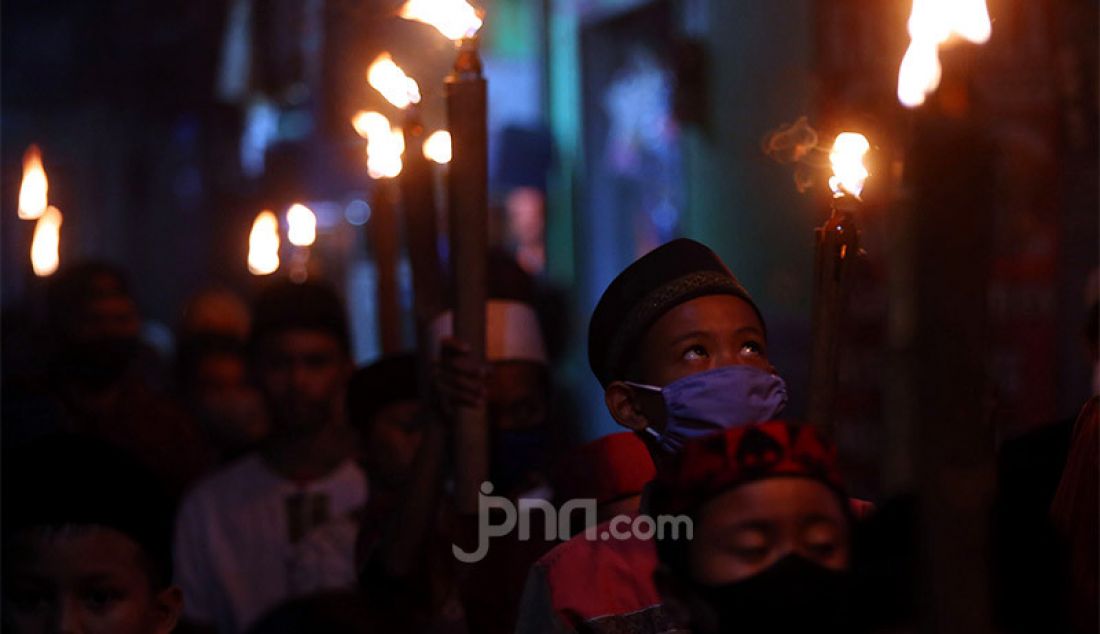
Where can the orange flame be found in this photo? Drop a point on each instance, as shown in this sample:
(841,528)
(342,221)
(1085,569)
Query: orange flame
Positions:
(932,23)
(45,246)
(455,19)
(263,244)
(34,188)
(301,225)
(846,157)
(368,123)
(437,147)
(385,76)
(385,144)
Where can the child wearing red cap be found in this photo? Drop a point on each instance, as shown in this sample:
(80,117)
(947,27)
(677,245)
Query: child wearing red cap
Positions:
(769,548)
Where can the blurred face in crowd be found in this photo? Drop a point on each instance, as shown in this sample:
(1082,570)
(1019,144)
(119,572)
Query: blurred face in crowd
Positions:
(392,439)
(748,529)
(516,395)
(101,336)
(230,409)
(701,334)
(112,316)
(303,374)
(84,579)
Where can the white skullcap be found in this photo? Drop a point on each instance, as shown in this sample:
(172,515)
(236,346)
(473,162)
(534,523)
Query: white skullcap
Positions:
(511,332)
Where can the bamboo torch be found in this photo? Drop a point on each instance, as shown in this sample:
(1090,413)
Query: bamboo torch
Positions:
(946,428)
(468,209)
(417,196)
(384,147)
(837,249)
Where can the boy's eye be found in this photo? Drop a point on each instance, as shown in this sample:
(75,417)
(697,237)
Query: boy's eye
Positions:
(752,348)
(751,554)
(100,600)
(823,550)
(695,352)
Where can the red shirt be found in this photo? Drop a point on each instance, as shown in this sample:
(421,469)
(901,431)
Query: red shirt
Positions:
(595,585)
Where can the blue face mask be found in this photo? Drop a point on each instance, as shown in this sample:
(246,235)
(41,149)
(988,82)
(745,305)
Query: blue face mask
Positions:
(717,399)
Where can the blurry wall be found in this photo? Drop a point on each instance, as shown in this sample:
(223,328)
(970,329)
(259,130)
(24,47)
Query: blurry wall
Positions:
(756,63)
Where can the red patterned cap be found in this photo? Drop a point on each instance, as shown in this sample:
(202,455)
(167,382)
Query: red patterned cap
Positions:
(719,462)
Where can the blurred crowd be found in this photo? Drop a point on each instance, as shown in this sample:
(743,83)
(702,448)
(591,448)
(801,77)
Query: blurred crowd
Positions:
(251,478)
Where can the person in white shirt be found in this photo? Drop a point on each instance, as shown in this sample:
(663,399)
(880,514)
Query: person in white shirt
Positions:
(279,522)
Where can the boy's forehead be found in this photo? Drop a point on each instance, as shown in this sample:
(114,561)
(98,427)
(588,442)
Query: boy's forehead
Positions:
(707,314)
(771,499)
(84,545)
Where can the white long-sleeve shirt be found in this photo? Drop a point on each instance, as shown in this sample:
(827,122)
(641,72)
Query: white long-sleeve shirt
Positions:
(247,539)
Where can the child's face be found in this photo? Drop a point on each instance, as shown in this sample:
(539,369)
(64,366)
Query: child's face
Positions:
(84,579)
(744,531)
(392,441)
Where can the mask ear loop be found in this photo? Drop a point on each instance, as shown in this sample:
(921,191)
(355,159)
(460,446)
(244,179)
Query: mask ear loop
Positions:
(656,435)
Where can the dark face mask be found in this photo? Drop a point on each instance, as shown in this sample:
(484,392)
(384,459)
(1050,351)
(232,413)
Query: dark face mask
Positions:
(793,595)
(515,453)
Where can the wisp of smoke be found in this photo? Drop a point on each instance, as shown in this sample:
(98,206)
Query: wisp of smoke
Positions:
(797,143)
(791,143)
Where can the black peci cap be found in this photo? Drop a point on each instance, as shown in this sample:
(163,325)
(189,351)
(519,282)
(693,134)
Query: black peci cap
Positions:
(662,279)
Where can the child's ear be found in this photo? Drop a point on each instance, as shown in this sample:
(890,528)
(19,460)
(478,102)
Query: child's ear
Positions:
(168,604)
(634,409)
(623,407)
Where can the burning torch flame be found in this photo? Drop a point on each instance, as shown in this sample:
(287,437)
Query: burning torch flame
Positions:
(931,24)
(367,124)
(32,192)
(263,244)
(45,256)
(386,77)
(301,225)
(437,147)
(849,173)
(384,144)
(455,19)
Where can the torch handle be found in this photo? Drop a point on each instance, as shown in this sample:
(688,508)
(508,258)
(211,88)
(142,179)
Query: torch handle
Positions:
(469,237)
(382,233)
(837,249)
(421,232)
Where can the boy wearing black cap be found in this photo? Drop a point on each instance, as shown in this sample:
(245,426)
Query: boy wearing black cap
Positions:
(281,521)
(87,542)
(681,351)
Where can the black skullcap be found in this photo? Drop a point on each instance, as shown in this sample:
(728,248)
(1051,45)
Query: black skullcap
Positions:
(386,381)
(287,305)
(657,282)
(64,481)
